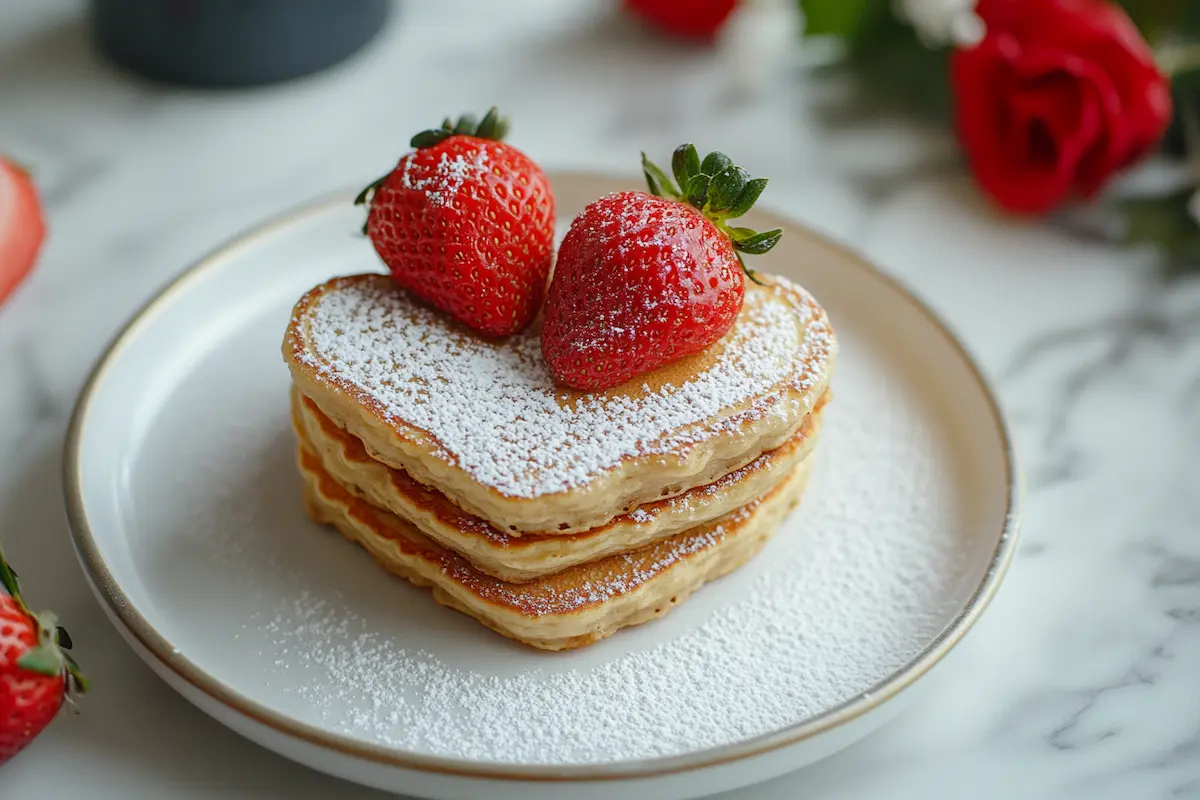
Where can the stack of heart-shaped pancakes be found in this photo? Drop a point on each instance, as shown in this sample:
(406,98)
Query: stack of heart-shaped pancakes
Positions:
(554,517)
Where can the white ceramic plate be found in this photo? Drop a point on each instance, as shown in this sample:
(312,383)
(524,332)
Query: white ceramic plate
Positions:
(185,508)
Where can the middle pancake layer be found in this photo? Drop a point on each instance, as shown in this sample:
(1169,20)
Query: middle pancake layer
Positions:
(525,558)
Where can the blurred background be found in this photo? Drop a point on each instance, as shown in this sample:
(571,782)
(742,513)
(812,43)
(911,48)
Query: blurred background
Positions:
(1028,167)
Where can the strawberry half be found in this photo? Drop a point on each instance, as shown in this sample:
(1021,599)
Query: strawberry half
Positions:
(22,227)
(643,280)
(466,223)
(36,672)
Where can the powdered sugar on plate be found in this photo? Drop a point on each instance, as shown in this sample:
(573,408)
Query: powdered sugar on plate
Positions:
(495,411)
(854,585)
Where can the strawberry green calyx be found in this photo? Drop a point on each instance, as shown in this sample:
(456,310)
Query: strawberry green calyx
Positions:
(8,582)
(49,656)
(718,189)
(492,126)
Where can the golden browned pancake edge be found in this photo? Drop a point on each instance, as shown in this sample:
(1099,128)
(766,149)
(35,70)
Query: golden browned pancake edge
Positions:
(518,559)
(569,609)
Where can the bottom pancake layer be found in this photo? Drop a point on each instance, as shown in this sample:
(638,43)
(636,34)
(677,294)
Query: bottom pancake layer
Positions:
(572,608)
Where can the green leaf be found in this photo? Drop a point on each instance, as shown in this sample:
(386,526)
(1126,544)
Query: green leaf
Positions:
(726,187)
(82,684)
(430,138)
(892,71)
(685,162)
(759,243)
(714,162)
(487,125)
(840,18)
(503,126)
(1158,219)
(1162,21)
(63,638)
(8,580)
(467,124)
(697,189)
(1185,91)
(1178,58)
(1165,222)
(369,190)
(749,196)
(740,234)
(658,181)
(43,659)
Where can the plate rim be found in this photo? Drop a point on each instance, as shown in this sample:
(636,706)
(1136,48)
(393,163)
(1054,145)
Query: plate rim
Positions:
(109,591)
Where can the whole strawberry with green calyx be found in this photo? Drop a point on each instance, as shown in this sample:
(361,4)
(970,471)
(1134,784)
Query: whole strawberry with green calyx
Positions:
(466,223)
(643,280)
(36,672)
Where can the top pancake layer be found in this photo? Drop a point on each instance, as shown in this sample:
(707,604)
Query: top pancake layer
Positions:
(491,409)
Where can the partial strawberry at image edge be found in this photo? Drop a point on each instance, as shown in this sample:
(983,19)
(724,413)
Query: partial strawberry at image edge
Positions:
(643,280)
(697,19)
(37,674)
(466,223)
(22,226)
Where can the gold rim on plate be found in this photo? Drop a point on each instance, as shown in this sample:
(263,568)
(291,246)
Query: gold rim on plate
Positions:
(119,605)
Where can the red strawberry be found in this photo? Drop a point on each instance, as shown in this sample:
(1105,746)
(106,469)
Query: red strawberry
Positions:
(21,226)
(466,223)
(697,19)
(35,670)
(645,279)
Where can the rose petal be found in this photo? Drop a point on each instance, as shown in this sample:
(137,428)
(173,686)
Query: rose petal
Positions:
(1099,139)
(1055,102)
(1021,174)
(1135,94)
(1105,35)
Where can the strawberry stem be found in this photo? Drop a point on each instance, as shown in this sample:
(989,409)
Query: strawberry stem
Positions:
(492,126)
(718,189)
(81,683)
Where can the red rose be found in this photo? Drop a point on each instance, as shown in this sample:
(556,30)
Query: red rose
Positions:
(1058,96)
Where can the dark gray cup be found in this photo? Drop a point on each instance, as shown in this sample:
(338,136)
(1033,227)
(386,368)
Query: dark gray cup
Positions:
(233,42)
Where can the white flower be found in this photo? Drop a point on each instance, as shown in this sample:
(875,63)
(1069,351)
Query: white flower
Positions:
(939,22)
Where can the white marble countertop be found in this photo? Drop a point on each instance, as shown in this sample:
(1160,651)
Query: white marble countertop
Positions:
(1082,681)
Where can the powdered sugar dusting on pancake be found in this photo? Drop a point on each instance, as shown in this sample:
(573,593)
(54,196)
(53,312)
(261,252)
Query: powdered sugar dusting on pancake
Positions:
(495,411)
